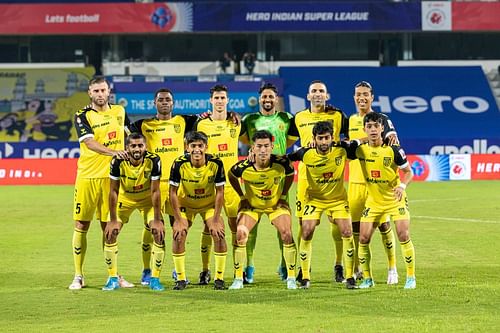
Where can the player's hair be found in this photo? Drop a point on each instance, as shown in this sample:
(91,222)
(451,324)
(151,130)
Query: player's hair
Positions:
(373,116)
(317,81)
(217,88)
(262,134)
(134,136)
(196,136)
(99,79)
(323,127)
(269,86)
(365,84)
(163,90)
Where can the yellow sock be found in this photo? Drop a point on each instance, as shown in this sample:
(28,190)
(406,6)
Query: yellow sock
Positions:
(409,257)
(348,245)
(337,239)
(305,258)
(355,259)
(240,254)
(389,242)
(79,249)
(147,241)
(220,265)
(157,256)
(111,258)
(365,257)
(290,254)
(205,249)
(180,265)
(251,242)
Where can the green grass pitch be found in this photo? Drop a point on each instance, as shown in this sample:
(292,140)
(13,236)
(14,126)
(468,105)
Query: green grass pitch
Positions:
(455,228)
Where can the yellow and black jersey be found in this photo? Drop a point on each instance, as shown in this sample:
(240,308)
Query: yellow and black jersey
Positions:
(379,166)
(106,127)
(223,138)
(196,186)
(263,188)
(305,121)
(135,181)
(165,137)
(357,131)
(325,173)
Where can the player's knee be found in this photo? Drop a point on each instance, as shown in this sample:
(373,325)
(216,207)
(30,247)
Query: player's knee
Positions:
(286,236)
(364,239)
(383,227)
(403,235)
(346,232)
(82,225)
(242,235)
(307,232)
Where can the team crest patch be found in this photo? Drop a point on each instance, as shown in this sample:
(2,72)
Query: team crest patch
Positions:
(387,161)
(338,161)
(276,180)
(211,179)
(120,119)
(232,132)
(401,211)
(177,128)
(147,174)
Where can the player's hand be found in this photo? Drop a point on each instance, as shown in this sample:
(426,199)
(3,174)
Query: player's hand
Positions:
(216,228)
(158,230)
(398,193)
(244,204)
(282,204)
(121,154)
(235,117)
(392,140)
(251,156)
(112,230)
(312,144)
(179,228)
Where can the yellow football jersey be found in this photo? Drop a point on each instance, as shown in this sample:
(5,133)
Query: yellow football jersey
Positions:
(380,170)
(263,188)
(135,181)
(223,138)
(107,128)
(196,186)
(325,173)
(305,121)
(165,138)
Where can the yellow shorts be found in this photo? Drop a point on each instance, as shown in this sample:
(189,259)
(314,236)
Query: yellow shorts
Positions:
(302,186)
(231,201)
(357,194)
(273,213)
(397,211)
(313,209)
(190,214)
(91,196)
(126,206)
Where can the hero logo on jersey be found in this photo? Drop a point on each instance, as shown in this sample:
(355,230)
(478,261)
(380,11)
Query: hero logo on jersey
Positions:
(223,147)
(138,187)
(327,175)
(199,191)
(166,142)
(112,135)
(375,173)
(265,193)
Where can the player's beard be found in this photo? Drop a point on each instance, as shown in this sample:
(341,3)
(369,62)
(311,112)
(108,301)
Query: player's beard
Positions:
(137,155)
(99,101)
(267,106)
(323,148)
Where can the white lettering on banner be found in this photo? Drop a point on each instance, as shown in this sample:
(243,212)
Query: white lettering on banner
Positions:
(479,146)
(417,104)
(306,16)
(82,18)
(258,16)
(488,167)
(51,153)
(19,173)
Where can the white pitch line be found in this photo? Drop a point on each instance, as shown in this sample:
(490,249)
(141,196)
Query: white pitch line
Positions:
(434,200)
(455,219)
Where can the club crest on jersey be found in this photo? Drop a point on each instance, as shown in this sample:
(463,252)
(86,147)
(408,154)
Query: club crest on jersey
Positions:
(277,180)
(199,191)
(177,128)
(387,161)
(327,175)
(112,135)
(375,173)
(222,147)
(232,132)
(138,187)
(211,179)
(338,161)
(120,119)
(265,193)
(166,142)
(401,211)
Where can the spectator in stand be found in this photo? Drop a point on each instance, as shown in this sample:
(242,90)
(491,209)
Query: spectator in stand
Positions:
(249,62)
(225,62)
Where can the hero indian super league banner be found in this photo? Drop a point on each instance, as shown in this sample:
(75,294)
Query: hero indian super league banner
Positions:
(18,19)
(310,16)
(189,97)
(39,104)
(436,110)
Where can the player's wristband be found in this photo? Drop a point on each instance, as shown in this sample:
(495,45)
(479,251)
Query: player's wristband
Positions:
(283,197)
(402,185)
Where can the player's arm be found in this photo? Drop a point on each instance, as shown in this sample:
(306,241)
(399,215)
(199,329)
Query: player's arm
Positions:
(406,173)
(217,225)
(113,226)
(390,135)
(180,225)
(350,148)
(293,133)
(157,227)
(298,155)
(244,131)
(290,174)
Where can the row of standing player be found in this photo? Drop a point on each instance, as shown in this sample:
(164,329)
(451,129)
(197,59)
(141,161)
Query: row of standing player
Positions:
(165,134)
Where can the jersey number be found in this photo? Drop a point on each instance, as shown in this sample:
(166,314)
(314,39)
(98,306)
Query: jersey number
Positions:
(309,209)
(77,208)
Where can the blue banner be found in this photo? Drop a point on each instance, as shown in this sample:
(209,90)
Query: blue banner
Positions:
(310,16)
(189,97)
(46,149)
(435,109)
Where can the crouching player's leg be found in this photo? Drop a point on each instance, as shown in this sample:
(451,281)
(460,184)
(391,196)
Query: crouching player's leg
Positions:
(215,225)
(246,223)
(282,221)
